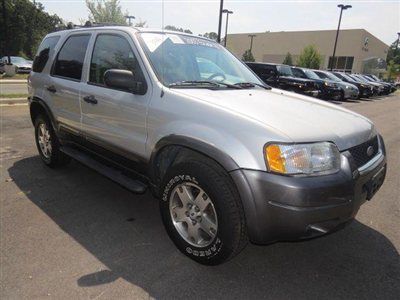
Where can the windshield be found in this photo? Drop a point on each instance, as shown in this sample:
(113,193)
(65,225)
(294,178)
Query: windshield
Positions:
(334,77)
(310,74)
(285,70)
(178,58)
(17,59)
(329,76)
(298,73)
(348,77)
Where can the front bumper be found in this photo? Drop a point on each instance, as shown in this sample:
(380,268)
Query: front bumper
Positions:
(289,208)
(351,93)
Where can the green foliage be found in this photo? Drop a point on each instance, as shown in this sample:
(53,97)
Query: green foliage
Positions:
(105,11)
(141,23)
(211,35)
(309,58)
(288,60)
(24,25)
(248,56)
(393,70)
(394,53)
(173,28)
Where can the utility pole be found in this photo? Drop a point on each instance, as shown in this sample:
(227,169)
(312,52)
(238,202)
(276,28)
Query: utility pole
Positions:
(251,41)
(342,8)
(228,12)
(221,6)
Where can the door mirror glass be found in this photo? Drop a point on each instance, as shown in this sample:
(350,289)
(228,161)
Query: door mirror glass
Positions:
(123,80)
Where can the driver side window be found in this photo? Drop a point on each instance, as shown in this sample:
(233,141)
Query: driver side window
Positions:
(112,52)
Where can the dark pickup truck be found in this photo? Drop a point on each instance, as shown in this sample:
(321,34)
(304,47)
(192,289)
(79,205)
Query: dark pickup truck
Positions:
(281,77)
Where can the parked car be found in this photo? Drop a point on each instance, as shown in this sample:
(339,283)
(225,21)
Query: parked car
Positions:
(377,87)
(229,158)
(281,77)
(349,91)
(388,87)
(328,89)
(366,90)
(21,64)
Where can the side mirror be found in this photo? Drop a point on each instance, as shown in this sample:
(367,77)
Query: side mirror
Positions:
(124,80)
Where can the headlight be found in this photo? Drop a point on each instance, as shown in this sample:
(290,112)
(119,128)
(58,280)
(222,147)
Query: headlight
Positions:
(329,84)
(313,158)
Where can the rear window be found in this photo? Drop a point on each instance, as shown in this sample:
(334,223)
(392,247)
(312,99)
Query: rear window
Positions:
(69,61)
(43,53)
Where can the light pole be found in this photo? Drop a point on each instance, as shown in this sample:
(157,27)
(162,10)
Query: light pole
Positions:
(228,12)
(342,8)
(221,6)
(251,41)
(129,18)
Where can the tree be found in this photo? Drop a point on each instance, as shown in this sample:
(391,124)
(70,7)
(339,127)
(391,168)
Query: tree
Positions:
(27,24)
(105,11)
(141,23)
(211,35)
(248,56)
(394,53)
(309,58)
(288,60)
(173,28)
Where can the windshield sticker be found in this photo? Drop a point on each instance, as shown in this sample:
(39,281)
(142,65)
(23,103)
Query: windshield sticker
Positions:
(197,41)
(175,39)
(153,40)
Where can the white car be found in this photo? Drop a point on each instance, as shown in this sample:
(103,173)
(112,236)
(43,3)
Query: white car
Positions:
(21,64)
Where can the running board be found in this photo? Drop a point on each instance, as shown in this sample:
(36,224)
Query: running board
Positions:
(115,175)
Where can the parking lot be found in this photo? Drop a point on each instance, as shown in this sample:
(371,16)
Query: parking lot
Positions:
(70,233)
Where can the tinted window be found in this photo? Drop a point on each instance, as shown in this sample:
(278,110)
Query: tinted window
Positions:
(43,52)
(70,59)
(112,52)
(298,73)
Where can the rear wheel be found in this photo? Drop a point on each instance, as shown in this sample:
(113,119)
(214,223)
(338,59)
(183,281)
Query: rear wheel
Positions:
(202,212)
(48,144)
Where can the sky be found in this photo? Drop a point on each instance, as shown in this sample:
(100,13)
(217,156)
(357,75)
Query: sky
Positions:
(381,18)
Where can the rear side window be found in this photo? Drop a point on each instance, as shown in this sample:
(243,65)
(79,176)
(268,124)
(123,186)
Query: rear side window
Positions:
(112,52)
(43,53)
(69,61)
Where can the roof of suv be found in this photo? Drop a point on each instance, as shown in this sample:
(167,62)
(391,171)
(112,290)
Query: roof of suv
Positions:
(123,28)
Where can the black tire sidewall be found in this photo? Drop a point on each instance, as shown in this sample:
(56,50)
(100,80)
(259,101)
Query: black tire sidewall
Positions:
(223,244)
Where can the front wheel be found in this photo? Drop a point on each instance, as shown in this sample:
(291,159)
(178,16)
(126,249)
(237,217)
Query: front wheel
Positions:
(202,212)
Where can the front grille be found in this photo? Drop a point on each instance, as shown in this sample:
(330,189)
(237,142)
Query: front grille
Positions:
(359,153)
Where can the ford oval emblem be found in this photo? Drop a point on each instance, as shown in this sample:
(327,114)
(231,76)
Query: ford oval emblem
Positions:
(370,150)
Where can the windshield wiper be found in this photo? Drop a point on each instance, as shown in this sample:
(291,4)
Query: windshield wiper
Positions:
(202,83)
(252,84)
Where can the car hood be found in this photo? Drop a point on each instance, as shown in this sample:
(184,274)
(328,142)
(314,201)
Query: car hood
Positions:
(23,65)
(299,118)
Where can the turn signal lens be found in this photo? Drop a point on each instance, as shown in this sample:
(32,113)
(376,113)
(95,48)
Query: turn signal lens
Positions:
(275,159)
(312,158)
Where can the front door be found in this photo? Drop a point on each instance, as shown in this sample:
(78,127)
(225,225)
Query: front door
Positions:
(114,118)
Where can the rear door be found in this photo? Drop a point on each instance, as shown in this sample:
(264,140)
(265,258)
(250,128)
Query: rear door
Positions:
(63,88)
(116,119)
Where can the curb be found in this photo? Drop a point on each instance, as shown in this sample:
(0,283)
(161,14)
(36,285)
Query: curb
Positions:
(12,101)
(13,81)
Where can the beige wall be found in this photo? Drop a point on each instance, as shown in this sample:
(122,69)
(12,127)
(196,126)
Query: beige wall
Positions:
(273,46)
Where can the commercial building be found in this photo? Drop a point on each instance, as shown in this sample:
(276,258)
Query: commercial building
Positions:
(357,50)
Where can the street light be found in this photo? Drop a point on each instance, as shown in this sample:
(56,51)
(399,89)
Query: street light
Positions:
(228,12)
(251,41)
(342,8)
(129,18)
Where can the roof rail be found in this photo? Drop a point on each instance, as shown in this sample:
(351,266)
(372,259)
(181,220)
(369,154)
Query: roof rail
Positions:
(102,24)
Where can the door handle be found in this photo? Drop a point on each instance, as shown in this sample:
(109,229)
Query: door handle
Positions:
(90,99)
(52,89)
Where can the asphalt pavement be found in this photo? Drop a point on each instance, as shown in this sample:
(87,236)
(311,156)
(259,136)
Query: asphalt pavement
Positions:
(73,234)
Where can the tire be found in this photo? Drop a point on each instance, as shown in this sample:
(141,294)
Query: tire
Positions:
(213,191)
(48,146)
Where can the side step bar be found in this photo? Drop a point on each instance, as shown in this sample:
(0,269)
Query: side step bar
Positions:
(115,175)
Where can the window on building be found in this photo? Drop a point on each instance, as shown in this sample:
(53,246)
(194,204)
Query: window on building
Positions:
(341,63)
(70,59)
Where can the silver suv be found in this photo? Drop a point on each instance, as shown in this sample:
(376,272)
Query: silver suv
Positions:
(230,159)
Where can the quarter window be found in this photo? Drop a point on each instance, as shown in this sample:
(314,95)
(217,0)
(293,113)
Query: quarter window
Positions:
(43,52)
(112,52)
(70,59)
